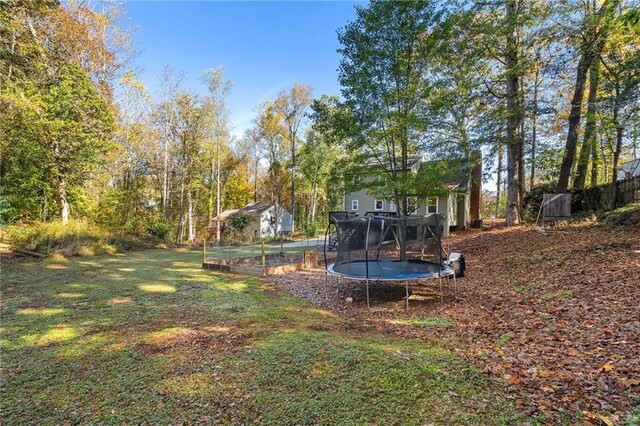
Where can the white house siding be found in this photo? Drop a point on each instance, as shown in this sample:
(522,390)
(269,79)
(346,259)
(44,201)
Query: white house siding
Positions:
(263,227)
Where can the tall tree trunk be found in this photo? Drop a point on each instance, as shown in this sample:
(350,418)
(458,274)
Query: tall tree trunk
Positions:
(574,124)
(619,130)
(499,180)
(293,182)
(62,188)
(180,236)
(590,127)
(165,164)
(212,180)
(514,118)
(605,162)
(635,133)
(594,160)
(534,127)
(218,188)
(192,228)
(590,51)
(64,203)
(314,195)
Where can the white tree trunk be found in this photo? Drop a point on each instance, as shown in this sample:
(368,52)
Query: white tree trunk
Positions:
(192,228)
(218,189)
(64,203)
(314,195)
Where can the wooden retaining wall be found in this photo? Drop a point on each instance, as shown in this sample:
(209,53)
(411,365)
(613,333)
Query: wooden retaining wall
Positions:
(251,265)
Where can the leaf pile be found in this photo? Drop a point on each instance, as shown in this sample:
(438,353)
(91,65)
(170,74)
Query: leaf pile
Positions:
(555,316)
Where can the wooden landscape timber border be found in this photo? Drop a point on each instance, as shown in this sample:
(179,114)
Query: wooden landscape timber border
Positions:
(247,265)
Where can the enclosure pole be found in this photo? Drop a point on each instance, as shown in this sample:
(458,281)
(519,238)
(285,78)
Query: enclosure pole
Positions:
(204,249)
(440,285)
(264,260)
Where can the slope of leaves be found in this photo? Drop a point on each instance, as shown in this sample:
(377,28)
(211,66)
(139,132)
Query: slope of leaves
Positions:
(555,316)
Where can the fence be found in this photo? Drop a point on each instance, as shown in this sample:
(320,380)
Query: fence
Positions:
(608,196)
(260,259)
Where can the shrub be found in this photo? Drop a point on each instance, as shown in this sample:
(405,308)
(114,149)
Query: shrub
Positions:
(310,228)
(159,228)
(78,237)
(238,222)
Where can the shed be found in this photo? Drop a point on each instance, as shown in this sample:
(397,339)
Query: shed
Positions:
(269,219)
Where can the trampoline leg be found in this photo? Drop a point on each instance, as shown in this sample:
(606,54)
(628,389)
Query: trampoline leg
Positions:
(406,292)
(455,284)
(368,305)
(337,284)
(440,285)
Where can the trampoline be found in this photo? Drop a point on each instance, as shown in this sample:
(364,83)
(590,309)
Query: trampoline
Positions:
(383,248)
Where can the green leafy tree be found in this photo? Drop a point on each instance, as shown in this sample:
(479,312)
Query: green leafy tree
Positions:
(64,129)
(386,55)
(238,222)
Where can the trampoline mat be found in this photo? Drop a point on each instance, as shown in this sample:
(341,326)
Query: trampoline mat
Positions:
(388,269)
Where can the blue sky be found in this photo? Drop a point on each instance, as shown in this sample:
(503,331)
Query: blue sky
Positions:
(263,46)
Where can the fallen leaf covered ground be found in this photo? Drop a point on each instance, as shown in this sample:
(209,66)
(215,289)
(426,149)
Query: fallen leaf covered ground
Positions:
(554,316)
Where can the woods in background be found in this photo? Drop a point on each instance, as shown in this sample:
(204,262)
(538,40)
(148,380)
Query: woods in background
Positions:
(549,92)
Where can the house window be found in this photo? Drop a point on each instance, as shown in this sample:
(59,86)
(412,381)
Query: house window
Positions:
(392,206)
(432,205)
(378,205)
(412,205)
(354,204)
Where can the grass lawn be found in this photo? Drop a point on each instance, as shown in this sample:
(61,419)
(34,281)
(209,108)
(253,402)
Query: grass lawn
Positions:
(150,337)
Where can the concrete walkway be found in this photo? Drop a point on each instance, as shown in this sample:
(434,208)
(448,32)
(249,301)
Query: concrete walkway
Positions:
(311,242)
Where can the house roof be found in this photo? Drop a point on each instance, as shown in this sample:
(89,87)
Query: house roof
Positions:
(256,208)
(225,214)
(630,166)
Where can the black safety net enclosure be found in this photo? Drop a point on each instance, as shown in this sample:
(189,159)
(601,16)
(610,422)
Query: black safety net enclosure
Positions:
(382,248)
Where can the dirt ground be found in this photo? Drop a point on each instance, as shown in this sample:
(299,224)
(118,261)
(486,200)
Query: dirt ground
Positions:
(553,316)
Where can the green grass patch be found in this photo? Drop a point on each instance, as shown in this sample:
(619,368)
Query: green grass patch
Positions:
(432,321)
(560,294)
(503,340)
(152,338)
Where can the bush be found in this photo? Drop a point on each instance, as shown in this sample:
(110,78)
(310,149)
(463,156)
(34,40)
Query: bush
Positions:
(77,238)
(310,228)
(238,222)
(159,228)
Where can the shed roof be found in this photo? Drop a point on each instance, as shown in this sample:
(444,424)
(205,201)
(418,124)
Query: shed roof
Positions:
(253,209)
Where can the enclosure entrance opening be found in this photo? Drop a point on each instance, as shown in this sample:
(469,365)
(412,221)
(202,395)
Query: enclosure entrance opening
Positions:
(383,248)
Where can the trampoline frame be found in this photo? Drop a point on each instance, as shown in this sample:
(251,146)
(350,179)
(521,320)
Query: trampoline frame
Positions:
(443,269)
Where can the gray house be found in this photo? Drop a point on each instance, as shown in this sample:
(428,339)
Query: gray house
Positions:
(269,220)
(460,207)
(629,170)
